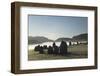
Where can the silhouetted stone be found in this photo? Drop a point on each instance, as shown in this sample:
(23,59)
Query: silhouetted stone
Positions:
(77,43)
(45,47)
(53,44)
(41,50)
(37,48)
(50,50)
(63,48)
(69,43)
(55,49)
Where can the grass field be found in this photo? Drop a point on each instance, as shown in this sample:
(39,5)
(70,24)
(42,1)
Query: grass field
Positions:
(75,51)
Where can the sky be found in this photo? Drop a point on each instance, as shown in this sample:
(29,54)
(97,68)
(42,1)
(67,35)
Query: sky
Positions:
(54,27)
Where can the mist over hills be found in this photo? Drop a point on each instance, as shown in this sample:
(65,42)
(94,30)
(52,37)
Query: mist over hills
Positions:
(41,39)
(64,39)
(80,37)
(38,39)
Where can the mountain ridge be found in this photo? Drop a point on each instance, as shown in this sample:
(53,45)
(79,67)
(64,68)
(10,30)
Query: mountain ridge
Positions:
(38,39)
(41,39)
(80,37)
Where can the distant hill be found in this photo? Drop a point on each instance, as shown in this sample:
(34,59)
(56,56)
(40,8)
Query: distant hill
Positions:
(81,37)
(63,39)
(41,39)
(38,39)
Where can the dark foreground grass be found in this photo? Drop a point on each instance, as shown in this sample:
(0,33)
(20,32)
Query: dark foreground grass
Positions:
(74,52)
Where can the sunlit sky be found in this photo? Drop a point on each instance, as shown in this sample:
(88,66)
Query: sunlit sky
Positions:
(54,27)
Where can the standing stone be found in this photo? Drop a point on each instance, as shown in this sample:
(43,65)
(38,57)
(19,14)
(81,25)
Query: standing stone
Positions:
(50,50)
(63,48)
